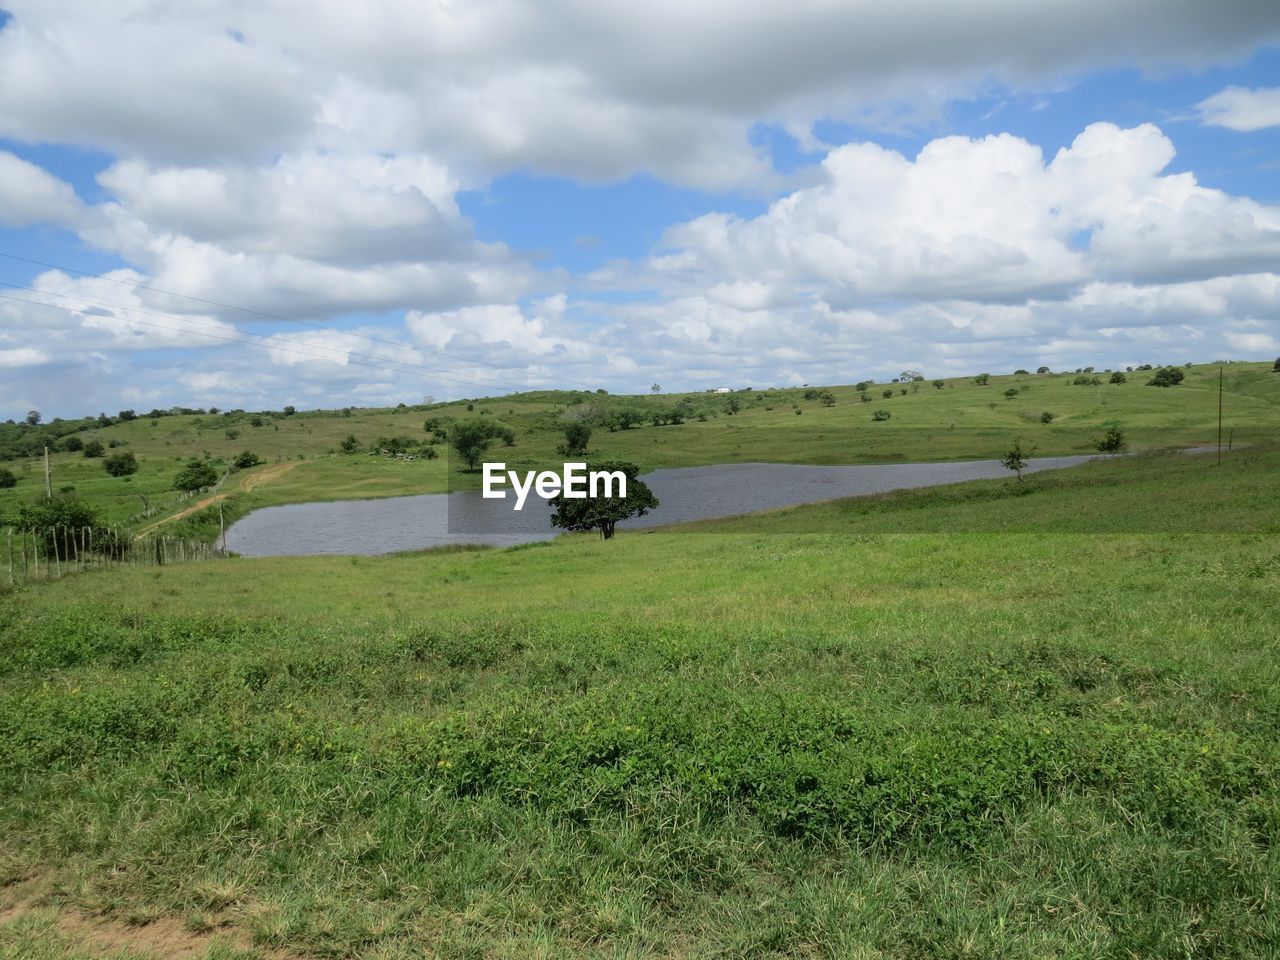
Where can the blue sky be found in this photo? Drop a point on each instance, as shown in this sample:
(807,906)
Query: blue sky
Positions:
(429,203)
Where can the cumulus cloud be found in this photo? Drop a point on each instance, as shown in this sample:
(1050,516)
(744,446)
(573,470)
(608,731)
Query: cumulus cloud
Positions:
(1242,109)
(587,89)
(982,220)
(31,195)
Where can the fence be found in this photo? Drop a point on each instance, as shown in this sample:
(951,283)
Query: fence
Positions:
(49,554)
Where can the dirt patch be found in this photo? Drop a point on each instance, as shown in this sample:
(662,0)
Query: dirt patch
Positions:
(163,938)
(247,482)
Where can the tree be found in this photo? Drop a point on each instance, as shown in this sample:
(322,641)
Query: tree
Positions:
(732,405)
(1042,370)
(576,437)
(1113,441)
(655,388)
(73,444)
(196,475)
(350,444)
(1166,377)
(7,479)
(1118,377)
(127,415)
(939,384)
(33,417)
(121,464)
(1011,393)
(604,513)
(982,379)
(1276,368)
(246,460)
(1047,417)
(1016,459)
(471,439)
(94,448)
(290,410)
(887,394)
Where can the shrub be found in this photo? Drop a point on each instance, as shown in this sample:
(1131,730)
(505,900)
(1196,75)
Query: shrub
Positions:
(1011,393)
(350,444)
(94,448)
(73,444)
(881,415)
(232,434)
(1113,441)
(1084,381)
(1118,377)
(939,384)
(1047,417)
(982,379)
(1042,370)
(1016,459)
(887,394)
(196,475)
(576,437)
(7,479)
(121,464)
(246,460)
(1166,377)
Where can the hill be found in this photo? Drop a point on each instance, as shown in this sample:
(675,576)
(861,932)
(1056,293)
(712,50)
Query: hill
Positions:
(958,419)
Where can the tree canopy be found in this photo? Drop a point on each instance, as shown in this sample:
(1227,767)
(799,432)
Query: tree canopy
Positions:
(604,513)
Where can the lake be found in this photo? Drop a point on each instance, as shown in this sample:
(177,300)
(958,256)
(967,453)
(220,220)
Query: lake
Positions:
(690,493)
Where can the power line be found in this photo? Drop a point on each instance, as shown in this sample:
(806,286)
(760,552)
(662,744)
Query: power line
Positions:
(249,310)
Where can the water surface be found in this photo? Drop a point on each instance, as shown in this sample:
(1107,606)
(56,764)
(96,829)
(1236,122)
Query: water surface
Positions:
(688,493)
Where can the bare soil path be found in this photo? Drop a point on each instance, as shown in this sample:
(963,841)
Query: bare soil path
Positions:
(248,482)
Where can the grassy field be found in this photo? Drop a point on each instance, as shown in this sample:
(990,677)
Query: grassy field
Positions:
(869,742)
(962,420)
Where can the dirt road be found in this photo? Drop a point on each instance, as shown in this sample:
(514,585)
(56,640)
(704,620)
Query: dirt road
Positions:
(248,482)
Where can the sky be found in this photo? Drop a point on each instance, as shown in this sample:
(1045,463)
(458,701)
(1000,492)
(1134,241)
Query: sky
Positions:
(253,203)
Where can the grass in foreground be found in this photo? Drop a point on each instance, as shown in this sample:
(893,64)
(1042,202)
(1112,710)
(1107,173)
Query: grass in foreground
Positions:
(739,745)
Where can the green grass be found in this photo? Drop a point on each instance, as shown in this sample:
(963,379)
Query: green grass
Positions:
(960,421)
(858,743)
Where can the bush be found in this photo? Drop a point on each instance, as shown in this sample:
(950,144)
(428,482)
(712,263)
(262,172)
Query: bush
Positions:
(887,394)
(1118,377)
(576,437)
(196,475)
(73,444)
(1084,381)
(1113,441)
(1011,393)
(7,479)
(246,460)
(350,444)
(94,448)
(881,415)
(121,464)
(1166,377)
(982,379)
(1047,417)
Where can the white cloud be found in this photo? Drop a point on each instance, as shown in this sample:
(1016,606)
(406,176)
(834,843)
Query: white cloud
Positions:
(31,195)
(981,220)
(575,87)
(1242,108)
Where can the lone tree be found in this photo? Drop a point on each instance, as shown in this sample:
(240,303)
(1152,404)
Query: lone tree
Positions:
(1016,459)
(655,388)
(121,464)
(603,513)
(576,437)
(1276,368)
(196,475)
(471,439)
(1112,441)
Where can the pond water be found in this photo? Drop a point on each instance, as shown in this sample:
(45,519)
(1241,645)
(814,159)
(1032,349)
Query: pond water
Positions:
(690,493)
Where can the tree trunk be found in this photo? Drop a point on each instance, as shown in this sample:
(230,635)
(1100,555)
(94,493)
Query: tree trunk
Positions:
(606,530)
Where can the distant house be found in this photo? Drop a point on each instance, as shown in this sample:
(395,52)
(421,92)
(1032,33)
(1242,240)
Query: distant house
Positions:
(723,390)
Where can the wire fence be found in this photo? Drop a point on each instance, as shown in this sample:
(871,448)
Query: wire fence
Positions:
(27,555)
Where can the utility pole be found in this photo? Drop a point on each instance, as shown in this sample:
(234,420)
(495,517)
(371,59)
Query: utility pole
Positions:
(48,479)
(1219,416)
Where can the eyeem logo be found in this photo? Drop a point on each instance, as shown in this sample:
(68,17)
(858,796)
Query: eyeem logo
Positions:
(575,482)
